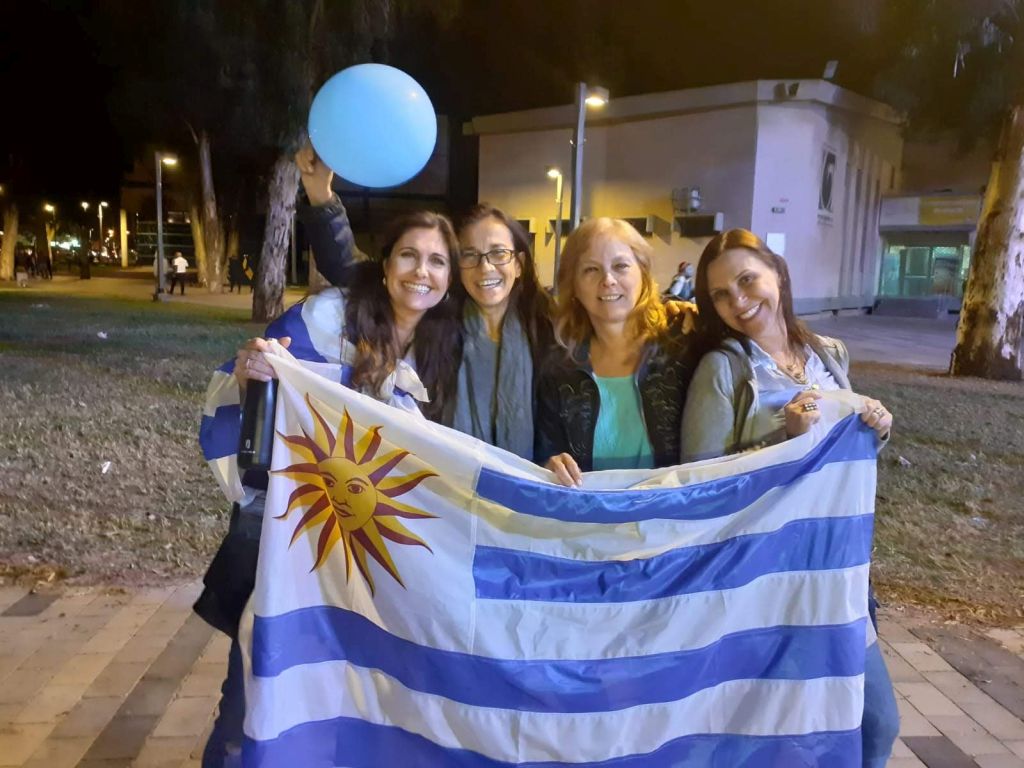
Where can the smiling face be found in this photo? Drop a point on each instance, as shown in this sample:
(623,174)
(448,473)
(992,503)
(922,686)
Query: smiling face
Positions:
(608,281)
(745,293)
(352,495)
(488,285)
(417,271)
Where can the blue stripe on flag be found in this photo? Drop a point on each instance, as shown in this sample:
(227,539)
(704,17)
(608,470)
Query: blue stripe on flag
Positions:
(849,440)
(359,744)
(228,367)
(813,544)
(291,324)
(327,633)
(218,434)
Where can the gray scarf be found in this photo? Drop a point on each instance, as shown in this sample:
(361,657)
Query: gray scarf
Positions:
(501,414)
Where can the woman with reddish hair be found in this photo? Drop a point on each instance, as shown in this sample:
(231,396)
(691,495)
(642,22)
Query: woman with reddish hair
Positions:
(757,384)
(612,397)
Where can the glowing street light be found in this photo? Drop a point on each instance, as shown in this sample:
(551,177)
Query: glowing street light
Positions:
(554,173)
(585,97)
(51,209)
(85,205)
(160,160)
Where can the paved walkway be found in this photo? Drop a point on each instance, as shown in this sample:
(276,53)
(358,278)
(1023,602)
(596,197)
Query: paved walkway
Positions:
(109,679)
(911,341)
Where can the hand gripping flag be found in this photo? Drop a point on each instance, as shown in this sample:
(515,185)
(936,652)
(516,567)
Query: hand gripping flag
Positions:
(426,600)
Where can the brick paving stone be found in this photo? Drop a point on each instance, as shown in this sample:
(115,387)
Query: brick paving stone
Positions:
(82,668)
(116,679)
(142,648)
(149,697)
(31,604)
(900,670)
(204,680)
(999,761)
(21,685)
(905,762)
(165,752)
(921,657)
(87,718)
(50,704)
(970,737)
(939,752)
(1017,747)
(122,738)
(18,742)
(59,753)
(912,722)
(185,717)
(957,688)
(995,670)
(10,595)
(927,699)
(995,719)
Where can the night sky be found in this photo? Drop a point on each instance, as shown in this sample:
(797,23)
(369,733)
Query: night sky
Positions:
(60,138)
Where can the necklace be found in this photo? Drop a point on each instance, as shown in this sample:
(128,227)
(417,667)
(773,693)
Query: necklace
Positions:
(797,369)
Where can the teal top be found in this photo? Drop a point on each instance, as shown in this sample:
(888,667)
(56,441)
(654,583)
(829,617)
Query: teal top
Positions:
(620,436)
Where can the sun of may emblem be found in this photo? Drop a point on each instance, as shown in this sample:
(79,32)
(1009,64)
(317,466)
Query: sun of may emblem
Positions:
(346,492)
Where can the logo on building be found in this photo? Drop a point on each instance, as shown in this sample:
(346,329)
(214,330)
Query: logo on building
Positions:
(827,184)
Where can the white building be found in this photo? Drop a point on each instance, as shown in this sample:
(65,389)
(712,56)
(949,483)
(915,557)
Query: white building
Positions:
(804,164)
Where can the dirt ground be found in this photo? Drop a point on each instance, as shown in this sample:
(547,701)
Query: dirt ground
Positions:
(101,478)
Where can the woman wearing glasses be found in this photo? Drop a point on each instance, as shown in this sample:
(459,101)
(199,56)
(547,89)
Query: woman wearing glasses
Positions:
(506,313)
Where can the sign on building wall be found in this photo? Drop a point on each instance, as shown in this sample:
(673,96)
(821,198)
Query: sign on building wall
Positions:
(826,185)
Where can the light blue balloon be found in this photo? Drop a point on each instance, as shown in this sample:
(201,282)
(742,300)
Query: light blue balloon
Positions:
(373,125)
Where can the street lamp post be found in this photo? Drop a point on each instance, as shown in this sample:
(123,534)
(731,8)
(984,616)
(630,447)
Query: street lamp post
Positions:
(160,159)
(99,211)
(52,210)
(585,97)
(554,173)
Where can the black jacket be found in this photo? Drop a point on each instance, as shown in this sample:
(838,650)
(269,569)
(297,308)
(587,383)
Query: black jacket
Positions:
(568,401)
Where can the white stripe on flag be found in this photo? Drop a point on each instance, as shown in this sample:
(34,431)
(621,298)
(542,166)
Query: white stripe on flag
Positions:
(746,707)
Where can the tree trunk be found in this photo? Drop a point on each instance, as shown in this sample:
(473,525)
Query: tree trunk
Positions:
(10,242)
(991,329)
(196,221)
(268,301)
(213,229)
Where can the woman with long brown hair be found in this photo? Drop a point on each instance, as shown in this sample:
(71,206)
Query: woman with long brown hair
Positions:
(757,384)
(506,314)
(392,328)
(612,397)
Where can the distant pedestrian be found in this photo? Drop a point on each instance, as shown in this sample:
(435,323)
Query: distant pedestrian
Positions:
(682,283)
(236,274)
(21,269)
(179,268)
(44,266)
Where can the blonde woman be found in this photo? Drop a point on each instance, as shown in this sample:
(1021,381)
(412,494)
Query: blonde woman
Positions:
(612,397)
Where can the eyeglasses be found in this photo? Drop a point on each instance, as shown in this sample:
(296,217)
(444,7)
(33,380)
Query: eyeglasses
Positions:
(496,257)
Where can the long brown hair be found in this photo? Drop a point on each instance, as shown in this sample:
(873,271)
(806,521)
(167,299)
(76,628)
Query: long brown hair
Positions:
(528,298)
(572,323)
(711,329)
(370,324)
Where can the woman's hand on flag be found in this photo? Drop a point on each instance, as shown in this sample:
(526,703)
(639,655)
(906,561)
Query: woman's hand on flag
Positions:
(567,471)
(251,361)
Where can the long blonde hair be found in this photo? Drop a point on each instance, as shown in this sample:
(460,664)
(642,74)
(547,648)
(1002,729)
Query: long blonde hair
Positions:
(572,323)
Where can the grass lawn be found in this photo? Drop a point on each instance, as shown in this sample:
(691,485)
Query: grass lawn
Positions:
(950,527)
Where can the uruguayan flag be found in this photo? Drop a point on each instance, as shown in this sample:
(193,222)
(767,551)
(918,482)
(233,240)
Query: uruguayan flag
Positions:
(315,327)
(426,600)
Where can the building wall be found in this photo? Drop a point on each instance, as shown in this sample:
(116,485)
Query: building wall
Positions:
(833,255)
(755,150)
(630,169)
